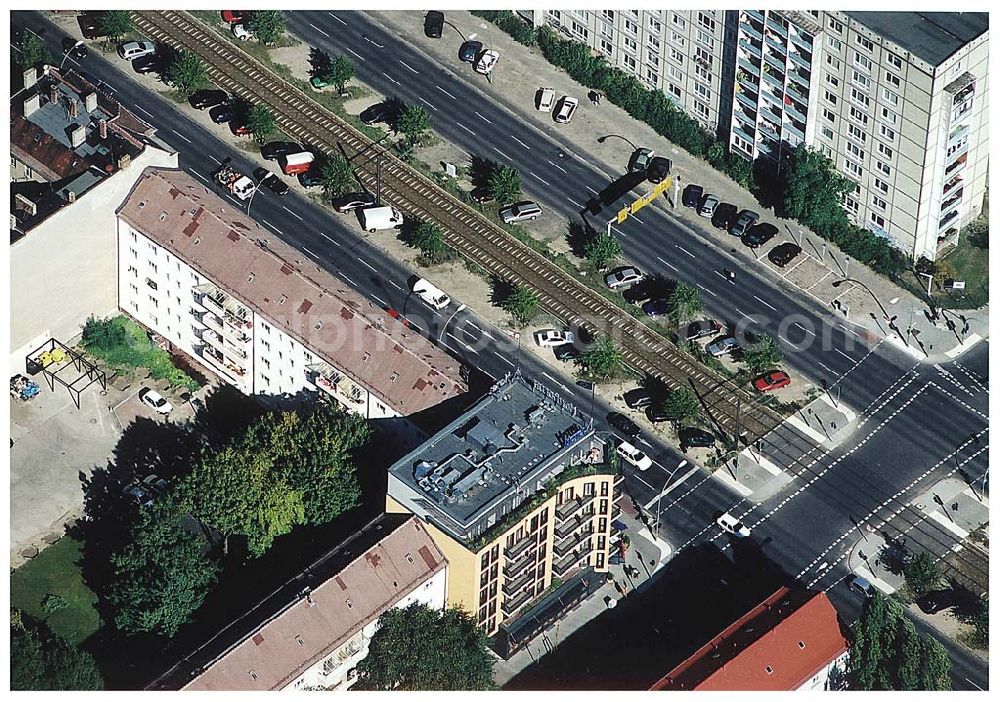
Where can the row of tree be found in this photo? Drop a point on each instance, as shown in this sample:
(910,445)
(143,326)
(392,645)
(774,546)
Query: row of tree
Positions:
(40,660)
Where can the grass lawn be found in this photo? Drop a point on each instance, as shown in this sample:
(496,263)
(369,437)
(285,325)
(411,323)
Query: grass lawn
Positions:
(55,572)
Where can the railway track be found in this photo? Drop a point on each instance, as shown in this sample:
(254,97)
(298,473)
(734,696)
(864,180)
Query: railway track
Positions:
(465,230)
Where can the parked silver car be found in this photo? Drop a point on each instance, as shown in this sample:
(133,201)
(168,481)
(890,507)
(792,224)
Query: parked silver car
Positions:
(720,347)
(520,212)
(708,206)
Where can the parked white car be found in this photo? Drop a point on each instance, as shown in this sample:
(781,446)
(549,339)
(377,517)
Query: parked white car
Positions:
(155,400)
(134,49)
(241,32)
(731,525)
(486,61)
(634,456)
(431,294)
(566,110)
(620,277)
(553,337)
(544,99)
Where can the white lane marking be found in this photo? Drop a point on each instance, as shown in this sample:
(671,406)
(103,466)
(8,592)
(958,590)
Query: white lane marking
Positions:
(848,330)
(807,331)
(556,165)
(298,217)
(319,30)
(396,285)
(139,107)
(539,178)
(391,78)
(367,265)
(337,18)
(380,299)
(309,252)
(483,118)
(427,103)
(200,176)
(272,226)
(575,202)
(521,142)
(409,66)
(329,238)
(474,325)
(592,190)
(665,263)
(684,250)
(466,128)
(826,368)
(637,219)
(844,355)
(743,314)
(344,276)
(555,381)
(706,290)
(502,154)
(766,304)
(355,53)
(504,359)
(181,136)
(445,92)
(637,477)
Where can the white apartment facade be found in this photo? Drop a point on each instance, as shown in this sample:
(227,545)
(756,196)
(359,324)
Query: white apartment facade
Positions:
(217,287)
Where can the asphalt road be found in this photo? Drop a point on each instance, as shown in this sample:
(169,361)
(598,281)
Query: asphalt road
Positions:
(855,483)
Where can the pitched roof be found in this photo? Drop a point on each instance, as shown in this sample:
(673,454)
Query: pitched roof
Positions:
(931,36)
(778,645)
(39,150)
(272,655)
(400,367)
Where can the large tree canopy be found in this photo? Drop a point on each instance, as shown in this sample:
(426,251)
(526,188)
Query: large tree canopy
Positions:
(40,660)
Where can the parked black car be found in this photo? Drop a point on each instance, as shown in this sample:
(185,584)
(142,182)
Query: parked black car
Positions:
(656,414)
(270,181)
(434,24)
(310,179)
(725,216)
(469,51)
(701,329)
(73,50)
(640,292)
(379,112)
(275,149)
(567,352)
(656,308)
(208,98)
(693,437)
(936,601)
(658,169)
(760,234)
(637,398)
(623,424)
(692,195)
(221,114)
(150,63)
(783,254)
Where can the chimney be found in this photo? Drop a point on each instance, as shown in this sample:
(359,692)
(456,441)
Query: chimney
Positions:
(90,102)
(30,76)
(124,161)
(103,125)
(53,93)
(74,108)
(32,104)
(77,136)
(70,196)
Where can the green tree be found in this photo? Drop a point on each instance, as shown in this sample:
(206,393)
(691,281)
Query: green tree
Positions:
(521,303)
(339,72)
(413,124)
(762,355)
(740,170)
(261,122)
(602,249)
(922,573)
(429,238)
(40,660)
(504,184)
(935,666)
(602,360)
(418,648)
(267,25)
(336,175)
(907,658)
(814,191)
(681,405)
(684,302)
(116,24)
(868,653)
(34,52)
(161,577)
(186,72)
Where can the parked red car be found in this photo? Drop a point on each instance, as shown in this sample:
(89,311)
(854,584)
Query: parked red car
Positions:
(234,16)
(239,129)
(772,380)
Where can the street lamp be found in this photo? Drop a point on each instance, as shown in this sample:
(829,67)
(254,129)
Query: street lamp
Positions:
(660,496)
(600,140)
(68,51)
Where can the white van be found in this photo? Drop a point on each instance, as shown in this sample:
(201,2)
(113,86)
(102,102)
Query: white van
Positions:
(379,217)
(431,294)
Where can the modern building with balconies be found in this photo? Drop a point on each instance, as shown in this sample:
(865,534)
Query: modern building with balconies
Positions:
(517,494)
(259,314)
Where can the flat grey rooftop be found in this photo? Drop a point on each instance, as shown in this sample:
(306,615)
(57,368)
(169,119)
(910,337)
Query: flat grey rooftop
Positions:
(55,119)
(499,447)
(932,36)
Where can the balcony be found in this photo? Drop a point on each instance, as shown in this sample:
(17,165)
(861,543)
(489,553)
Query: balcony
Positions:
(514,565)
(745,101)
(775,47)
(774,81)
(802,42)
(565,564)
(571,524)
(765,128)
(743,133)
(749,67)
(755,15)
(950,185)
(512,586)
(212,322)
(224,306)
(798,77)
(510,606)
(572,506)
(218,361)
(773,97)
(801,60)
(776,63)
(794,129)
(564,546)
(327,379)
(957,166)
(952,201)
(749,49)
(948,220)
(512,552)
(749,30)
(792,111)
(774,24)
(746,118)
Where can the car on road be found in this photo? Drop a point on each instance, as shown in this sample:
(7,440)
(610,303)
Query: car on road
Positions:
(379,112)
(155,400)
(140,495)
(936,601)
(691,197)
(725,216)
(481,195)
(694,437)
(486,61)
(626,426)
(431,294)
(553,337)
(267,179)
(275,149)
(745,220)
(567,352)
(772,380)
(760,234)
(640,159)
(566,109)
(630,454)
(723,346)
(620,277)
(469,50)
(242,32)
(656,308)
(860,585)
(637,398)
(731,525)
(544,98)
(352,201)
(208,98)
(659,168)
(221,114)
(71,48)
(310,179)
(234,16)
(523,211)
(150,63)
(131,50)
(434,24)
(701,329)
(783,254)
(708,205)
(656,413)
(640,292)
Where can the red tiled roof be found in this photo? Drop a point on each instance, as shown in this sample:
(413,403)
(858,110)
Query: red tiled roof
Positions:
(31,145)
(779,645)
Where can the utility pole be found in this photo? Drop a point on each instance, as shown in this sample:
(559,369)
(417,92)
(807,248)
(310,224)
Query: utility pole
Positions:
(659,497)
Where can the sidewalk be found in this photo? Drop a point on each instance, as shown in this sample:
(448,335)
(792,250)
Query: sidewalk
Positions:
(522,70)
(865,559)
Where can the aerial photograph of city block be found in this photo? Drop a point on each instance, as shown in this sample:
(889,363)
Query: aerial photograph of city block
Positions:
(563,349)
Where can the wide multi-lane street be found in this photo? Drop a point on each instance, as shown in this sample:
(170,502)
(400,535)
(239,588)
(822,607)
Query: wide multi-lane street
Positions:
(918,423)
